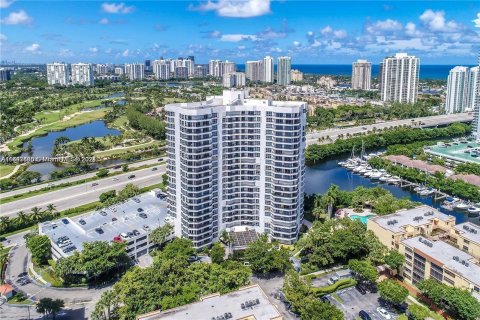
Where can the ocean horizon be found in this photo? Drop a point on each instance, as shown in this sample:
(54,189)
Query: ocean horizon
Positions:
(427,71)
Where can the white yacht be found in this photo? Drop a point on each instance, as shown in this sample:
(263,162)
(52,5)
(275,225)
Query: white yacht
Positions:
(376,175)
(385,177)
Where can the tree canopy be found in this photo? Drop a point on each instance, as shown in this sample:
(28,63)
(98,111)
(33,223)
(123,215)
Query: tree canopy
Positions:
(363,270)
(265,256)
(392,291)
(40,247)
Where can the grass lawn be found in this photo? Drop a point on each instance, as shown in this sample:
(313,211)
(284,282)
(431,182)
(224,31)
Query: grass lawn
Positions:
(172,100)
(58,126)
(48,275)
(109,153)
(5,170)
(120,122)
(49,116)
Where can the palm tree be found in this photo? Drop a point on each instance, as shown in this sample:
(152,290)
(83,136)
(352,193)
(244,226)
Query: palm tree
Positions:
(23,218)
(331,198)
(36,214)
(52,210)
(4,223)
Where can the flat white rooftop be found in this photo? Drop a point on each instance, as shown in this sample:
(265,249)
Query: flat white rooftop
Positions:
(222,307)
(120,218)
(469,231)
(453,258)
(415,217)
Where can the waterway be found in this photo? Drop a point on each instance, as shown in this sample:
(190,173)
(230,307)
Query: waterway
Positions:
(43,145)
(320,177)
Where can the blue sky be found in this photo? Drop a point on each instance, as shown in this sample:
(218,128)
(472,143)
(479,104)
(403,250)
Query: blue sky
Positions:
(314,32)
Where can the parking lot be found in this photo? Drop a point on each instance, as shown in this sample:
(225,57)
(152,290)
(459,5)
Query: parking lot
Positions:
(353,301)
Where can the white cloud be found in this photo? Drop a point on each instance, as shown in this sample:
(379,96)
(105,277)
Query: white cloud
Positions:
(18,17)
(340,34)
(477,21)
(327,30)
(411,30)
(382,26)
(3,37)
(93,50)
(297,43)
(435,21)
(119,8)
(34,48)
(235,8)
(237,37)
(6,3)
(126,53)
(103,21)
(65,53)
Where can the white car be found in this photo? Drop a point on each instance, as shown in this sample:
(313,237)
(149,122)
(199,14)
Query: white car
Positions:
(384,313)
(115,179)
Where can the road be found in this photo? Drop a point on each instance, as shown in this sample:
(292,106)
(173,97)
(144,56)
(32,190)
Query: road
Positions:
(72,179)
(312,138)
(81,194)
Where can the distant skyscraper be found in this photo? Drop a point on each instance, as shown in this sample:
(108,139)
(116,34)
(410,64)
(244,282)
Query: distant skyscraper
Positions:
(476,119)
(268,72)
(101,69)
(119,70)
(57,73)
(399,78)
(201,70)
(296,75)
(135,71)
(361,75)
(457,90)
(224,171)
(216,68)
(148,65)
(473,78)
(82,74)
(181,72)
(254,70)
(161,69)
(4,74)
(283,70)
(234,79)
(229,67)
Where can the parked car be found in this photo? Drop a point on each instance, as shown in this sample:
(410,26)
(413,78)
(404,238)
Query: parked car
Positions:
(384,313)
(65,221)
(364,315)
(115,179)
(332,280)
(131,176)
(361,289)
(161,159)
(154,169)
(94,184)
(192,258)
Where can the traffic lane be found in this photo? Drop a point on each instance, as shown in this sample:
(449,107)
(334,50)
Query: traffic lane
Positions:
(72,179)
(82,194)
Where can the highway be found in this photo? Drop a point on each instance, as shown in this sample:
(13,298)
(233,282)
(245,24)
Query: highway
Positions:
(312,138)
(81,194)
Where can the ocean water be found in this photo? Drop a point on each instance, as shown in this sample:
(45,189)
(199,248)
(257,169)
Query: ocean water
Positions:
(434,72)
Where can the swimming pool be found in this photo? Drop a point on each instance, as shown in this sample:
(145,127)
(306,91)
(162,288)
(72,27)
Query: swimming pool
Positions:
(363,219)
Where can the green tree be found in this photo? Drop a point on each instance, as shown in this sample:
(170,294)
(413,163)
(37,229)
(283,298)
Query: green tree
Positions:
(296,290)
(392,291)
(36,214)
(417,312)
(317,310)
(264,256)
(125,167)
(179,248)
(52,210)
(217,252)
(48,306)
(160,234)
(102,173)
(40,248)
(395,260)
(108,196)
(363,270)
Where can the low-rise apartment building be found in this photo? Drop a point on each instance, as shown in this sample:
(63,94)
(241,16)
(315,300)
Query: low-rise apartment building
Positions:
(420,221)
(425,259)
(466,236)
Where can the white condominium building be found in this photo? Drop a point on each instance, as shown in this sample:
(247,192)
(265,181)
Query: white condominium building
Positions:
(457,90)
(234,79)
(135,71)
(162,69)
(101,69)
(399,78)
(473,82)
(119,71)
(283,70)
(254,70)
(82,74)
(476,106)
(216,68)
(296,75)
(235,161)
(229,67)
(361,75)
(57,73)
(268,72)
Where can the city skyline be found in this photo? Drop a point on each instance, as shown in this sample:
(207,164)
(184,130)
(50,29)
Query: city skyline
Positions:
(310,32)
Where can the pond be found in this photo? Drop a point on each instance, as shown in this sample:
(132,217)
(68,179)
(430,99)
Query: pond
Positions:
(43,146)
(318,179)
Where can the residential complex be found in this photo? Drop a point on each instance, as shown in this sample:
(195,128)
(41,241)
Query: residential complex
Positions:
(476,107)
(260,70)
(457,90)
(420,221)
(399,78)
(434,247)
(101,69)
(130,222)
(135,71)
(216,68)
(58,74)
(283,70)
(82,74)
(361,75)
(119,71)
(473,83)
(161,69)
(248,303)
(235,161)
(234,79)
(5,74)
(296,75)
